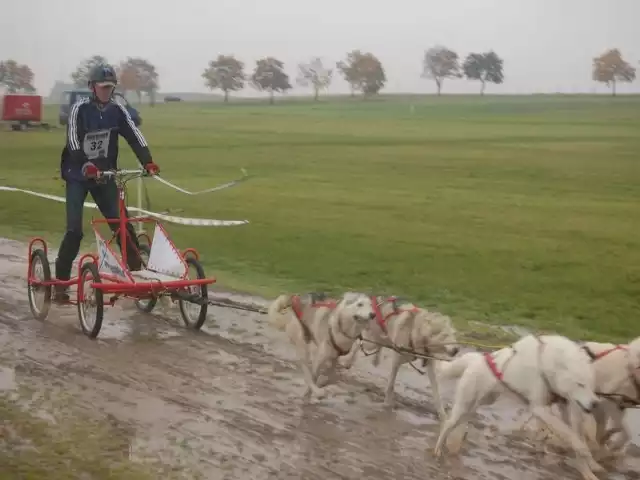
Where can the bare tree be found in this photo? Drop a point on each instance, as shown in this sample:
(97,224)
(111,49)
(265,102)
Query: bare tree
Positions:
(314,74)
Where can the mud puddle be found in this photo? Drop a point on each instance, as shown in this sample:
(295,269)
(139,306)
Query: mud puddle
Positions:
(225,402)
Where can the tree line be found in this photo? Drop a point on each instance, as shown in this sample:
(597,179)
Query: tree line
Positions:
(363,71)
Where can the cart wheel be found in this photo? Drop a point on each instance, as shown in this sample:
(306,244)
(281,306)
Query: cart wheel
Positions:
(41,271)
(90,322)
(193,314)
(146,305)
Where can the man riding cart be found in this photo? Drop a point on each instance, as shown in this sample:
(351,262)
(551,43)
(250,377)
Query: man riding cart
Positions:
(92,146)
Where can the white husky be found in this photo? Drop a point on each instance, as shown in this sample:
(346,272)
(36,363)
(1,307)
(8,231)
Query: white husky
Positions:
(617,371)
(330,326)
(405,328)
(535,370)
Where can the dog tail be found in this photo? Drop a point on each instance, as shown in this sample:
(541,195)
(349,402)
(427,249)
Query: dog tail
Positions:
(277,318)
(455,368)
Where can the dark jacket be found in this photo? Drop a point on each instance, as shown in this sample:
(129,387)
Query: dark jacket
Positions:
(92,135)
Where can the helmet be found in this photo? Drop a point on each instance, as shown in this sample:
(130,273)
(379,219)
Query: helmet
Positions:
(102,75)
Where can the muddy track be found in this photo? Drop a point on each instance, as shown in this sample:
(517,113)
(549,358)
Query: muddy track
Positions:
(226,401)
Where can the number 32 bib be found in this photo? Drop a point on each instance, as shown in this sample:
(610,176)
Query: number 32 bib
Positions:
(96,144)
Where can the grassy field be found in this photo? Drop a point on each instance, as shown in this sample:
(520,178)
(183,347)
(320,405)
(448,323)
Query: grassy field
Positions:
(509,210)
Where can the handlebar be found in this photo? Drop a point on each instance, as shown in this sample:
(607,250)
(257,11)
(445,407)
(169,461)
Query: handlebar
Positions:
(120,173)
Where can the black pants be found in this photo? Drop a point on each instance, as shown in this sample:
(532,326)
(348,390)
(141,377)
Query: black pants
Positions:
(105,195)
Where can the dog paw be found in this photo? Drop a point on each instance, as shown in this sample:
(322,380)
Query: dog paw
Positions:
(322,381)
(320,392)
(306,396)
(442,417)
(455,445)
(596,467)
(345,363)
(437,453)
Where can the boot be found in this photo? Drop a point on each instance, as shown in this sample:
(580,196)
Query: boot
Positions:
(61,294)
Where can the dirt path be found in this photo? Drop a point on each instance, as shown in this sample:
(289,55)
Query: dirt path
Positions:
(226,401)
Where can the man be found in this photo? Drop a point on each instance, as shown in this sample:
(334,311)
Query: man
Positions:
(92,145)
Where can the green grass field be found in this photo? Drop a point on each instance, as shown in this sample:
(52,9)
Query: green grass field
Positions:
(508,210)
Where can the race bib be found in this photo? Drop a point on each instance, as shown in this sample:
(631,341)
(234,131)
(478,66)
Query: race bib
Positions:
(96,144)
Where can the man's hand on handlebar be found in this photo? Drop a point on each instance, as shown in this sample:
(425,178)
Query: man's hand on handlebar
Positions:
(152,168)
(89,170)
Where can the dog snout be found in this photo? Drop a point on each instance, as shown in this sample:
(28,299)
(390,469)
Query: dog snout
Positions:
(589,406)
(372,315)
(453,351)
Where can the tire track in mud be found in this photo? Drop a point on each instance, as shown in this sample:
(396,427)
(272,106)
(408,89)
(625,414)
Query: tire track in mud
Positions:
(225,402)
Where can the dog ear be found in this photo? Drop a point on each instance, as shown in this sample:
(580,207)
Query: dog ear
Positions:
(394,303)
(318,296)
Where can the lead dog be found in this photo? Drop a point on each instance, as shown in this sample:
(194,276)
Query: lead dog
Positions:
(617,377)
(321,330)
(535,370)
(405,328)
(617,371)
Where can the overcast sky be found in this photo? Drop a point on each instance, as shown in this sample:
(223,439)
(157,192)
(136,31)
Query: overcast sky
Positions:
(547,45)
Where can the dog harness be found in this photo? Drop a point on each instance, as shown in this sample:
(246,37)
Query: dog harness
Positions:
(603,354)
(296,306)
(499,374)
(623,400)
(381,320)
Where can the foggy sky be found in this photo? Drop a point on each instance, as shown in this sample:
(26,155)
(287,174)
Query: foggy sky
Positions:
(547,45)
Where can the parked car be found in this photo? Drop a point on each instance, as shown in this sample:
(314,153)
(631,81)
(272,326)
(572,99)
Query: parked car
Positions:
(172,98)
(70,97)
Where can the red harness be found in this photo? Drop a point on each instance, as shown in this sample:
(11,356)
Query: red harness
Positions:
(594,357)
(491,363)
(624,401)
(296,306)
(381,320)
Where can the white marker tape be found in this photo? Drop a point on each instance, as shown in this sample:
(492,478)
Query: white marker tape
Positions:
(245,176)
(197,222)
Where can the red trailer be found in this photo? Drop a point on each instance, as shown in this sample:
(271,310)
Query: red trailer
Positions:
(22,110)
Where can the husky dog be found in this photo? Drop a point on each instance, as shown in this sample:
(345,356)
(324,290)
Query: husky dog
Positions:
(617,373)
(538,371)
(407,329)
(322,330)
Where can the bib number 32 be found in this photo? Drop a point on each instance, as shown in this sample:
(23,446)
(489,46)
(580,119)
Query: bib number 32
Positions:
(96,144)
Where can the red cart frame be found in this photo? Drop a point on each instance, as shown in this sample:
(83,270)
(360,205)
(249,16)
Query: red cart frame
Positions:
(165,272)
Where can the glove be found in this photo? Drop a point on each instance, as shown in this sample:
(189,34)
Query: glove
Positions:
(89,170)
(152,168)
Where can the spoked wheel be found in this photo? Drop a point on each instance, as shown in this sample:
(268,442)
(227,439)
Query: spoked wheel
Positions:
(148,304)
(90,300)
(39,295)
(192,313)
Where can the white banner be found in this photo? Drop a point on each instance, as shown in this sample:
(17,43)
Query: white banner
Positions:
(196,222)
